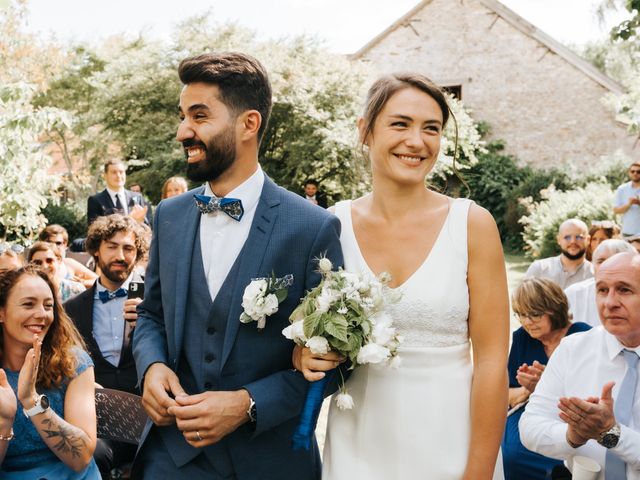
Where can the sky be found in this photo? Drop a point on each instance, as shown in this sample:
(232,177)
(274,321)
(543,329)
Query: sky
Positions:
(344,25)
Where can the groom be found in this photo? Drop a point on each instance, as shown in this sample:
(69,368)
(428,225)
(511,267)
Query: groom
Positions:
(222,395)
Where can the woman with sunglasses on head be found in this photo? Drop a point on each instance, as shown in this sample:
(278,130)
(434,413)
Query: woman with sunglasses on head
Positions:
(600,231)
(440,415)
(47,404)
(543,311)
(47,256)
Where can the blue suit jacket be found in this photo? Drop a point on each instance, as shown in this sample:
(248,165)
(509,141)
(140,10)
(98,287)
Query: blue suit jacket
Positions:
(287,236)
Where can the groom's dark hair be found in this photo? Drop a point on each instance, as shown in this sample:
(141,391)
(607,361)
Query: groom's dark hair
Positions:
(241,79)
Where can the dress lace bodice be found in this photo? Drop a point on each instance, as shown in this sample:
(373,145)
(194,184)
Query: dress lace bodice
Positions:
(434,308)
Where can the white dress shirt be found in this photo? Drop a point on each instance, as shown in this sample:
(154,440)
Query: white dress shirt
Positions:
(123,199)
(580,367)
(582,302)
(222,237)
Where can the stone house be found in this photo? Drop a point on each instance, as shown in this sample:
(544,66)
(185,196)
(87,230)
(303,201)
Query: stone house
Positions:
(538,96)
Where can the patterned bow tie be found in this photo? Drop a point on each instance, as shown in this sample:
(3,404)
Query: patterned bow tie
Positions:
(230,206)
(106,295)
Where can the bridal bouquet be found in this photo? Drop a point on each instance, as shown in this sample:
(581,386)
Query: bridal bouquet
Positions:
(344,313)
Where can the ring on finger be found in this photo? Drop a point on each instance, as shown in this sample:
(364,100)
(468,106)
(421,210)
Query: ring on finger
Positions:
(198,437)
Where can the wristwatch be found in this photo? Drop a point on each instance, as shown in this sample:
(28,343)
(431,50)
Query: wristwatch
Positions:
(610,438)
(252,413)
(42,405)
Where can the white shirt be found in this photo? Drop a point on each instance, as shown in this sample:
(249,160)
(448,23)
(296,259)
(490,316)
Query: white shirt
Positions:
(222,237)
(123,199)
(631,218)
(580,367)
(582,302)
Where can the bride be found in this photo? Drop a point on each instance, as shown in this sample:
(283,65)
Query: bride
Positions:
(442,413)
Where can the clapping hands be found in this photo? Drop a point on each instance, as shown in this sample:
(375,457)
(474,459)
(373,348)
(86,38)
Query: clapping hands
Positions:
(29,374)
(529,375)
(8,403)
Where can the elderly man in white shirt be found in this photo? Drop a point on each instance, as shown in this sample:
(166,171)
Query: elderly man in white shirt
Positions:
(587,402)
(582,295)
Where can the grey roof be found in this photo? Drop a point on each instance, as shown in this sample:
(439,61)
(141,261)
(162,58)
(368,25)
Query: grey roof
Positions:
(521,24)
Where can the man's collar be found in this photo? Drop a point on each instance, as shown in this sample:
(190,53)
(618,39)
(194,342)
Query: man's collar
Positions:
(614,346)
(248,191)
(119,192)
(125,285)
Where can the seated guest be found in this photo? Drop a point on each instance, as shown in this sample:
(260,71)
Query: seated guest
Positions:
(634,241)
(582,295)
(47,256)
(586,402)
(47,402)
(174,186)
(105,316)
(570,266)
(70,268)
(599,232)
(11,257)
(543,311)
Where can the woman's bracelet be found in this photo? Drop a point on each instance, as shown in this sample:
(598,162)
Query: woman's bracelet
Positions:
(11,436)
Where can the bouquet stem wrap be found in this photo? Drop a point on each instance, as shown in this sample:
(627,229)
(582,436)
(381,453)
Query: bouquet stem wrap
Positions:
(302,437)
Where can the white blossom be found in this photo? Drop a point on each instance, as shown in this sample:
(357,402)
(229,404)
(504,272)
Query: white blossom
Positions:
(318,345)
(325,265)
(344,401)
(295,332)
(372,353)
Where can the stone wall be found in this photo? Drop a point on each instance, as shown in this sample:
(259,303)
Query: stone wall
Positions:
(546,109)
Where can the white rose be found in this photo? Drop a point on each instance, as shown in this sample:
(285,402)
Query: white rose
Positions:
(372,353)
(252,296)
(344,401)
(325,299)
(383,332)
(318,345)
(270,305)
(325,265)
(295,332)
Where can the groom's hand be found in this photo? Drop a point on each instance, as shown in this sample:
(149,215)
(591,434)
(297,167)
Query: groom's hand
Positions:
(208,417)
(161,386)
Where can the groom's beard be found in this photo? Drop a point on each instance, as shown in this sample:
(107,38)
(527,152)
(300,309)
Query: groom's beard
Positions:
(574,256)
(220,153)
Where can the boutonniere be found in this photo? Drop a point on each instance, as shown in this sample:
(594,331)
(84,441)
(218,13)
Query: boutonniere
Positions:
(262,297)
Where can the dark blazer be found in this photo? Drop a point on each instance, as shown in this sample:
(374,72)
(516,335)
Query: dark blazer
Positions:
(123,377)
(100,204)
(287,236)
(321,198)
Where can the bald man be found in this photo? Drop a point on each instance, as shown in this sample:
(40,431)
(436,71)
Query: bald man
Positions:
(571,266)
(587,402)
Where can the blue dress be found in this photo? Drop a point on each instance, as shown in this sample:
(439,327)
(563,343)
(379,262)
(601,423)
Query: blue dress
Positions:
(28,457)
(520,463)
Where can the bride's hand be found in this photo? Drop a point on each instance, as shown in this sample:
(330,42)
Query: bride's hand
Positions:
(313,365)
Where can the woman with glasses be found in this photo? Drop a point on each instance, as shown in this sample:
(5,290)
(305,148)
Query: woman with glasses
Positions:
(69,268)
(543,310)
(47,257)
(599,232)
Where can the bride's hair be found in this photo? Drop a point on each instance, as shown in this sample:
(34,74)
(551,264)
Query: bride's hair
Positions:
(385,87)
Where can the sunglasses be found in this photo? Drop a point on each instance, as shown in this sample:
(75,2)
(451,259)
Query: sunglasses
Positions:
(11,246)
(39,263)
(604,224)
(634,171)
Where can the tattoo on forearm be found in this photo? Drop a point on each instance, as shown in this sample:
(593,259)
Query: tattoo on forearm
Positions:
(68,440)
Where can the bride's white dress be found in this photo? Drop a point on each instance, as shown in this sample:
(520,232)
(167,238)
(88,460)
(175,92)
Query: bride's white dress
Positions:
(412,422)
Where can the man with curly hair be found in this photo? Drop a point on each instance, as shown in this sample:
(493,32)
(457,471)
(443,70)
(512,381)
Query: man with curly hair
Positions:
(106,317)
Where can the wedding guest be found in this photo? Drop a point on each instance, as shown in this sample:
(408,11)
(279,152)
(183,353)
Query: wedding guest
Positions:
(542,308)
(69,268)
(582,295)
(586,403)
(47,256)
(10,257)
(570,266)
(600,231)
(47,406)
(627,202)
(634,241)
(174,186)
(313,194)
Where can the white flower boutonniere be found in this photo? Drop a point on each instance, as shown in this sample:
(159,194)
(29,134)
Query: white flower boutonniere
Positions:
(262,297)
